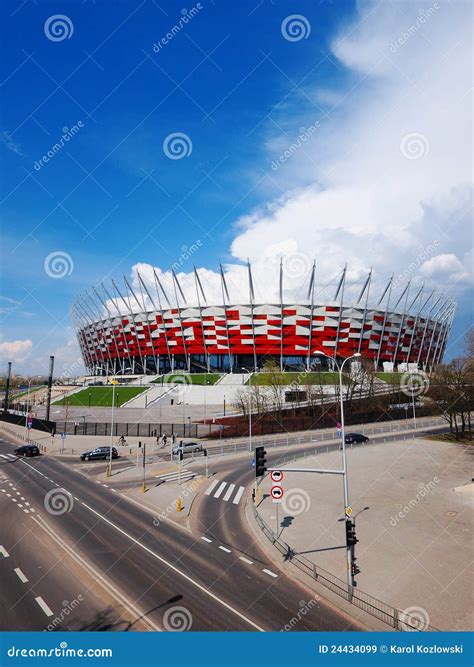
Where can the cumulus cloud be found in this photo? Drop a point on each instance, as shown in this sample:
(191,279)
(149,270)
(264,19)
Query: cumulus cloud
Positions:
(15,350)
(387,179)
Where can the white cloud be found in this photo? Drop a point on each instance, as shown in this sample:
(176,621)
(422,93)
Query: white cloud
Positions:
(445,268)
(15,350)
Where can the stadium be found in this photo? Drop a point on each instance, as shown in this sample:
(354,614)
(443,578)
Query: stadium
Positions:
(152,327)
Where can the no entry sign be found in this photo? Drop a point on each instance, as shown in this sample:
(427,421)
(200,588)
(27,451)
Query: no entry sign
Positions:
(276,476)
(276,493)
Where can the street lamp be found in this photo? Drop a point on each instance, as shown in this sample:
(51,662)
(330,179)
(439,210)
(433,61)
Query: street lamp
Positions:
(113,382)
(340,368)
(28,403)
(250,416)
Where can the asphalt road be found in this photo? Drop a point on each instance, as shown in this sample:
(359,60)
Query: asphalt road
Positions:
(165,574)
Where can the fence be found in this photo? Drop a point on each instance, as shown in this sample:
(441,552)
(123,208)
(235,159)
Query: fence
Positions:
(392,616)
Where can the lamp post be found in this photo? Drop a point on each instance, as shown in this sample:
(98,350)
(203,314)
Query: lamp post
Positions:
(108,470)
(28,405)
(340,368)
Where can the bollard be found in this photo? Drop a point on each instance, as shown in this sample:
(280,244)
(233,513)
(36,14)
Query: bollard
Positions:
(107,471)
(143,487)
(179,504)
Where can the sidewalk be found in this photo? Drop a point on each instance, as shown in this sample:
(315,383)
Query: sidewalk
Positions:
(412,502)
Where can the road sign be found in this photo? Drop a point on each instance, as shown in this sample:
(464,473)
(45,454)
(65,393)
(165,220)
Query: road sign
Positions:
(276,476)
(349,511)
(276,493)
(29,423)
(253,463)
(338,432)
(63,436)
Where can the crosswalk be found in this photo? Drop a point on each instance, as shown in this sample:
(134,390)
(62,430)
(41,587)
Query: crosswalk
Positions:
(8,457)
(225,491)
(175,476)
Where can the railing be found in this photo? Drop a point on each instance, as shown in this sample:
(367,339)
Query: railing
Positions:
(386,613)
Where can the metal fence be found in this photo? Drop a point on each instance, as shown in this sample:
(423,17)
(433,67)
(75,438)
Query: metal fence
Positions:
(390,615)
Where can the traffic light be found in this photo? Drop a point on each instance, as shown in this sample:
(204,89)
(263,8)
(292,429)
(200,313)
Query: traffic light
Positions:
(351,539)
(354,568)
(260,461)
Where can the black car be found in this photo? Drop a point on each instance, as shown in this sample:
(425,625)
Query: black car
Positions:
(99,454)
(351,438)
(27,450)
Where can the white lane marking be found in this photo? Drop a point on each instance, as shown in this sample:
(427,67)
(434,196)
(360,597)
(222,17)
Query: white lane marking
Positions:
(176,569)
(246,560)
(206,539)
(27,504)
(26,511)
(20,504)
(98,578)
(44,606)
(32,510)
(20,575)
(211,487)
(272,574)
(229,492)
(114,490)
(220,490)
(17,493)
(4,552)
(238,495)
(4,490)
(105,485)
(14,500)
(22,497)
(10,484)
(9,495)
(225,549)
(14,488)
(76,498)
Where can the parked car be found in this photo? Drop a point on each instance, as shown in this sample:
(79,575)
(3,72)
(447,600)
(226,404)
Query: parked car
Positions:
(355,437)
(188,448)
(27,450)
(99,454)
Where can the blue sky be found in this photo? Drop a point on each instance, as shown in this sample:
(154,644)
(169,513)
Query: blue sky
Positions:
(242,93)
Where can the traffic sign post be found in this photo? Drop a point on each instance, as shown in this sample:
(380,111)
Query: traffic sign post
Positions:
(276,476)
(276,493)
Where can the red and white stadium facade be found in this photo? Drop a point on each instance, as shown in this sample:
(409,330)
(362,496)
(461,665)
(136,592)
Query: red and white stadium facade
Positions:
(143,330)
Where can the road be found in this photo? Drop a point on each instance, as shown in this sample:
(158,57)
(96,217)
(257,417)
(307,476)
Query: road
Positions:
(162,576)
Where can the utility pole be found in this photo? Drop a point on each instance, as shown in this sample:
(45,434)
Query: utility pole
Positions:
(7,387)
(50,384)
(144,463)
(108,470)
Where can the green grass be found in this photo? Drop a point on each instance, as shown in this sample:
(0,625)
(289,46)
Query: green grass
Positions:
(101,396)
(389,378)
(301,378)
(191,378)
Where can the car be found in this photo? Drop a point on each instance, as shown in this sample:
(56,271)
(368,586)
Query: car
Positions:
(99,454)
(27,450)
(355,437)
(188,448)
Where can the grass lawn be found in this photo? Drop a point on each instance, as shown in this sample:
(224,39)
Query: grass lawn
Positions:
(450,437)
(191,378)
(101,396)
(389,378)
(302,378)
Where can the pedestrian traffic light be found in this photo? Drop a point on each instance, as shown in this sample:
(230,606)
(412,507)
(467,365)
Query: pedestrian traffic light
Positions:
(354,568)
(351,538)
(260,461)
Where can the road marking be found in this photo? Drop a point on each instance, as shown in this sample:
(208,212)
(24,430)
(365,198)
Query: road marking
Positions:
(238,495)
(98,578)
(20,575)
(176,569)
(229,492)
(27,504)
(272,574)
(20,504)
(206,539)
(4,552)
(17,493)
(14,500)
(22,497)
(105,485)
(26,511)
(211,487)
(220,490)
(44,606)
(114,490)
(225,549)
(76,498)
(9,495)
(246,560)
(32,510)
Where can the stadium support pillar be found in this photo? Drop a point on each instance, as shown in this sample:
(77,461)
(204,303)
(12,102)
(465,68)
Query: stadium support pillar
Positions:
(50,384)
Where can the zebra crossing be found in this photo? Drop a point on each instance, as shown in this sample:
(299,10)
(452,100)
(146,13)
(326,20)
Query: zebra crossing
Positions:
(8,457)
(175,477)
(217,488)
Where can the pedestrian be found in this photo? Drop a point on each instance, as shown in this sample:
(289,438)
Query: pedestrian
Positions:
(165,439)
(173,438)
